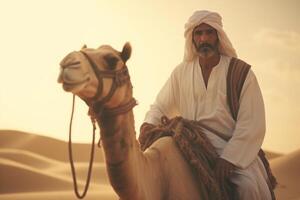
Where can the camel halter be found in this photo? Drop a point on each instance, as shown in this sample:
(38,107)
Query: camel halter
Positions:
(120,77)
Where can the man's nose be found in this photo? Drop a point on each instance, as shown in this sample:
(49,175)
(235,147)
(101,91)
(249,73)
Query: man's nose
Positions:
(204,37)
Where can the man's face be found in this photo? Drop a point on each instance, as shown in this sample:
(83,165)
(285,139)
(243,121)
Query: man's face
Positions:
(205,40)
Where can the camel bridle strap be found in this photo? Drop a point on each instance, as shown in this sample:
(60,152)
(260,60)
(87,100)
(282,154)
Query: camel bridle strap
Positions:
(120,77)
(101,111)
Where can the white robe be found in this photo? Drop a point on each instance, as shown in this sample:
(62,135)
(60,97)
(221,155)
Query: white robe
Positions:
(184,94)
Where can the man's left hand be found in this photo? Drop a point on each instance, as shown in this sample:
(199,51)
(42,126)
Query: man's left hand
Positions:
(223,170)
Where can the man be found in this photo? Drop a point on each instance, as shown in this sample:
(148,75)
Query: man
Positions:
(196,90)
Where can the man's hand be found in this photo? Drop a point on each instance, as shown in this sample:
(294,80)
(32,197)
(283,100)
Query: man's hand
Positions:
(146,127)
(223,170)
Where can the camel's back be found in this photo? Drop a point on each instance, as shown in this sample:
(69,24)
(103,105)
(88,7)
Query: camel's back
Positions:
(181,184)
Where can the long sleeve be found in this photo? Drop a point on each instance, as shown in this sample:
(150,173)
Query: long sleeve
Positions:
(249,130)
(166,102)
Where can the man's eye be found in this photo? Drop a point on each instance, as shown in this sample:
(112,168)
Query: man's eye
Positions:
(209,31)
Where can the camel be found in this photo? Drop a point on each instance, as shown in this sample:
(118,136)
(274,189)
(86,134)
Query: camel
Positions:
(100,78)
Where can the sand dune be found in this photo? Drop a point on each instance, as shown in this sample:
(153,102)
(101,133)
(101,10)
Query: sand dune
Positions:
(61,195)
(41,178)
(37,167)
(25,159)
(17,177)
(46,146)
(287,171)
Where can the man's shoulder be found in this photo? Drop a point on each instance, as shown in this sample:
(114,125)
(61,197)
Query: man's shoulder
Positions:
(229,59)
(237,66)
(239,62)
(242,68)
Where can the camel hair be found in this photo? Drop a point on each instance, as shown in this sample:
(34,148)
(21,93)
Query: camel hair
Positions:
(100,78)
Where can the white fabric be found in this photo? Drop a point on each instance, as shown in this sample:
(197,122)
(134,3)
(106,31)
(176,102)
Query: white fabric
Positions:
(251,182)
(213,19)
(185,94)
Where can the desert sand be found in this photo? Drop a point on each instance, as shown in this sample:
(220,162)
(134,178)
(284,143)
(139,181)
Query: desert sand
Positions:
(37,167)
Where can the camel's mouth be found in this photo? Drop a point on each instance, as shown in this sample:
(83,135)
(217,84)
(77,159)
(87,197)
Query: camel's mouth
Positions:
(72,77)
(75,87)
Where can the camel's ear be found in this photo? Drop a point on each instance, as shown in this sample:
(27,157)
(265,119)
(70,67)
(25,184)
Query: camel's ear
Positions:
(126,52)
(84,47)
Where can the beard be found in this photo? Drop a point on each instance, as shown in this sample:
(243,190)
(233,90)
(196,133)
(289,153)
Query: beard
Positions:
(206,50)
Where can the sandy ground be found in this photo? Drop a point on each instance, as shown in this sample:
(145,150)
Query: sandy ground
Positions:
(36,167)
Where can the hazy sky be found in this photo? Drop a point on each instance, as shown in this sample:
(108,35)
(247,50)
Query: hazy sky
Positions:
(36,35)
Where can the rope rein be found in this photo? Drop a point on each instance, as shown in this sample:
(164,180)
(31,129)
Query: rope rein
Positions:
(81,196)
(108,112)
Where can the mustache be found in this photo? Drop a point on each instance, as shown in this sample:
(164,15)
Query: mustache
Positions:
(206,45)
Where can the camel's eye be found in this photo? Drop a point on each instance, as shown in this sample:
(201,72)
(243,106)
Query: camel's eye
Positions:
(111,61)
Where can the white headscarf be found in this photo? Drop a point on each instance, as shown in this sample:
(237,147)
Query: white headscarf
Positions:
(213,19)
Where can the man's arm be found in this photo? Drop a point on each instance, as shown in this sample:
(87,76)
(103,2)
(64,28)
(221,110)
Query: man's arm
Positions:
(249,131)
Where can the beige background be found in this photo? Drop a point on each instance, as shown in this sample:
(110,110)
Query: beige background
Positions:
(36,35)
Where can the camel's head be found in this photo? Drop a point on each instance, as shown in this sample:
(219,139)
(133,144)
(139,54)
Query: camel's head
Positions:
(92,73)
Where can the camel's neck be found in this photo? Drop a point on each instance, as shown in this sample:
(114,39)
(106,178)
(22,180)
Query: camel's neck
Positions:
(121,152)
(117,132)
(117,135)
